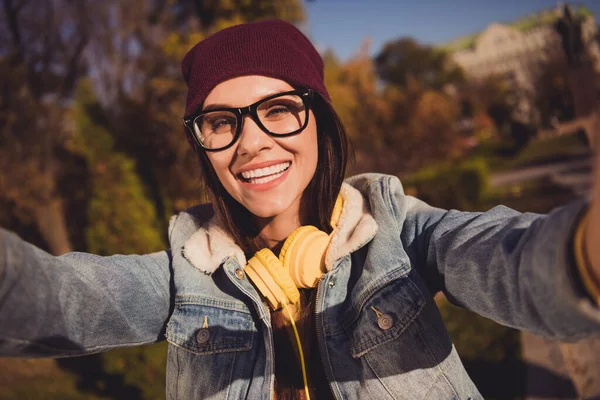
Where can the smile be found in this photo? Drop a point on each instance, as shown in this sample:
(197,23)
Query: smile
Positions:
(266,174)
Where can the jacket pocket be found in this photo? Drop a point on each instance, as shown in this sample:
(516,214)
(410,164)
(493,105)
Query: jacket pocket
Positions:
(385,315)
(205,326)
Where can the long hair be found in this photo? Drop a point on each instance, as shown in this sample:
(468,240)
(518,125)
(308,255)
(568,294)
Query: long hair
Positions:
(319,196)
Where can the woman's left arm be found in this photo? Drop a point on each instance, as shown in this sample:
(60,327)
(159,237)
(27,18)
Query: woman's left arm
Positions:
(516,268)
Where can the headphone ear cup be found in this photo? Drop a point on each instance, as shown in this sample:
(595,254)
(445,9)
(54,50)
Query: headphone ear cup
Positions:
(288,242)
(303,255)
(280,274)
(264,282)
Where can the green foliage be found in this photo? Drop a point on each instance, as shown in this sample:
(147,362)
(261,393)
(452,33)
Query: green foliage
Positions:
(462,43)
(545,17)
(461,186)
(121,219)
(585,12)
(142,367)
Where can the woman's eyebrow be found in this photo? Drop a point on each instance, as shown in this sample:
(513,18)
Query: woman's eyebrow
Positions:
(216,105)
(223,105)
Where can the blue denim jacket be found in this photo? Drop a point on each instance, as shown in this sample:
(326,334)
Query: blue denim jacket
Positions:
(379,332)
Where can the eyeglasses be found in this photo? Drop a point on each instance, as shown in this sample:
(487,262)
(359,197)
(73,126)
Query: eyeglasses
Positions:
(279,115)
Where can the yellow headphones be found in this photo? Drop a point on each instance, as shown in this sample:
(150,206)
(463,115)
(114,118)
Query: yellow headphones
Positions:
(300,264)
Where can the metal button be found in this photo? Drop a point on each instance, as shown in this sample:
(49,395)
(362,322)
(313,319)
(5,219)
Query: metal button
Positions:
(385,321)
(331,284)
(202,336)
(240,274)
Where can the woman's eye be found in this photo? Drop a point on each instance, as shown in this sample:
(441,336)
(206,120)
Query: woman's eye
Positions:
(220,125)
(277,111)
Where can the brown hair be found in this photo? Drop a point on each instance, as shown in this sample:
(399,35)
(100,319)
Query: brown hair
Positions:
(320,194)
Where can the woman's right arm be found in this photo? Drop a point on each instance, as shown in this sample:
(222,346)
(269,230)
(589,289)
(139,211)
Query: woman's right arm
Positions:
(79,303)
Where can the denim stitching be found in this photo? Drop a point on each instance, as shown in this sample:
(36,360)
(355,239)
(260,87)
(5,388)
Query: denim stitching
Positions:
(366,346)
(370,290)
(228,386)
(76,352)
(209,302)
(221,351)
(436,361)
(379,379)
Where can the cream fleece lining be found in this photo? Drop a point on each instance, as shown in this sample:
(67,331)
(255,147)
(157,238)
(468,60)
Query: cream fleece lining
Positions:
(210,245)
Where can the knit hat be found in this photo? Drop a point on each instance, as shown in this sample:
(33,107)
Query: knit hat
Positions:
(270,48)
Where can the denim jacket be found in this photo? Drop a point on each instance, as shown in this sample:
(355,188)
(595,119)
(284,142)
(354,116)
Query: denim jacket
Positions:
(379,332)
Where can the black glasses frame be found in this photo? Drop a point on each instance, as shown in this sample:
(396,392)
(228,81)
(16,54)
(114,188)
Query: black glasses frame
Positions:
(305,94)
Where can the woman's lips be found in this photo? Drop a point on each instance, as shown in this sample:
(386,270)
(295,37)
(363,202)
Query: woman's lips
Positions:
(266,182)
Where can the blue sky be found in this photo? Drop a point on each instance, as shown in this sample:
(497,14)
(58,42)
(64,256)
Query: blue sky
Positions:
(342,25)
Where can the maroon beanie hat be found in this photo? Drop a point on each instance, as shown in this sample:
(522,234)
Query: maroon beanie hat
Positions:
(270,48)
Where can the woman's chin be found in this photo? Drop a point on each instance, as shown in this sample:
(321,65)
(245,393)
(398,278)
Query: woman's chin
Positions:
(263,213)
(269,210)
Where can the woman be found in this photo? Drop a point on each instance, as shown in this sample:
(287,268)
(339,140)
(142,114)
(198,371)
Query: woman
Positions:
(273,156)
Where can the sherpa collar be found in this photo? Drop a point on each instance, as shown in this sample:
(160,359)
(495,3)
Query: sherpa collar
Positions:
(210,245)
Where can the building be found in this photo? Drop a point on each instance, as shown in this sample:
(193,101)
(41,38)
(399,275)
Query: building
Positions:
(513,50)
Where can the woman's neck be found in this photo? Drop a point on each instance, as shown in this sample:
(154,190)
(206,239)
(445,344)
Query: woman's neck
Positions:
(274,230)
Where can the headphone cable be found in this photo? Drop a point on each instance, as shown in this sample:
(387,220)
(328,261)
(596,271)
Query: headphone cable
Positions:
(304,378)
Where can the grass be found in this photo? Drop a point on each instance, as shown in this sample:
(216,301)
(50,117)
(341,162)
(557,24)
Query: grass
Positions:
(38,379)
(491,353)
(501,155)
(539,196)
(550,150)
(133,374)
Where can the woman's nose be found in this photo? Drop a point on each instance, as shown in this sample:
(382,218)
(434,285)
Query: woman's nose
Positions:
(252,139)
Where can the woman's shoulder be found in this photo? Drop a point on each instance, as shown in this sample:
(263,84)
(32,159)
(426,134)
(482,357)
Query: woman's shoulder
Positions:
(184,223)
(365,182)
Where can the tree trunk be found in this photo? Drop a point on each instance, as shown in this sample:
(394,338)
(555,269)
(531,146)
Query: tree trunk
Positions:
(585,97)
(51,222)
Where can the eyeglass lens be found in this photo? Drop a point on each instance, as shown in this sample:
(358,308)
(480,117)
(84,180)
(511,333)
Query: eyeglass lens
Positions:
(280,115)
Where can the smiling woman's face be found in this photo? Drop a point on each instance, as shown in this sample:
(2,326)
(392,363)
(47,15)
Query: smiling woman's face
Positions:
(266,174)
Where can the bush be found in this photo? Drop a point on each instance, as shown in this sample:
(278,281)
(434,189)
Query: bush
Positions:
(461,186)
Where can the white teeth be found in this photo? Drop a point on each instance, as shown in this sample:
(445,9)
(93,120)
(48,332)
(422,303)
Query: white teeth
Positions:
(262,175)
(266,178)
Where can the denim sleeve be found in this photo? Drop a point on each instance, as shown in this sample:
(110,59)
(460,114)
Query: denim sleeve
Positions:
(515,268)
(79,303)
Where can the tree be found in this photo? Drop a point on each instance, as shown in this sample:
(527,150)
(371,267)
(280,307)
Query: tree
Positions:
(121,218)
(131,51)
(394,129)
(552,95)
(360,105)
(42,59)
(494,98)
(405,59)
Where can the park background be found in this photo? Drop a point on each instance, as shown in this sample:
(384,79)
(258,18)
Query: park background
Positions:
(93,156)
